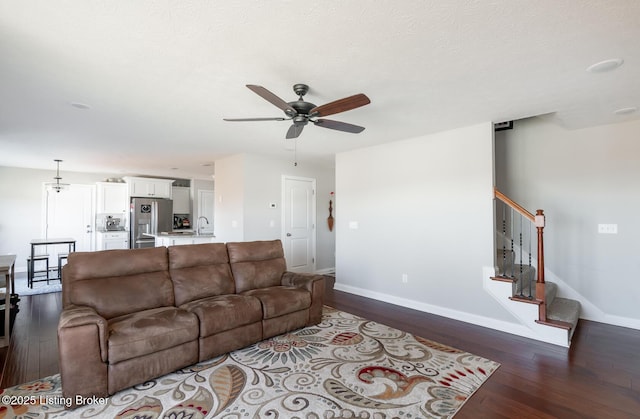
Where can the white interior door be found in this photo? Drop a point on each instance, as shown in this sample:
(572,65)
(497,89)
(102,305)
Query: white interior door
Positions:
(205,209)
(298,223)
(70,213)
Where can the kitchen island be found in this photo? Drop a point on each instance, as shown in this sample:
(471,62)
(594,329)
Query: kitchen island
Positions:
(181,238)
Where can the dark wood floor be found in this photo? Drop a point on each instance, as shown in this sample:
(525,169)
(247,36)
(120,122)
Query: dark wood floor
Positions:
(33,352)
(599,377)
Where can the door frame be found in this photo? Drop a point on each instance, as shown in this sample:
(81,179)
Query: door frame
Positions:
(44,227)
(198,208)
(314,228)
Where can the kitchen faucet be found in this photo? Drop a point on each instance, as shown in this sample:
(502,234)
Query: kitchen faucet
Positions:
(198,223)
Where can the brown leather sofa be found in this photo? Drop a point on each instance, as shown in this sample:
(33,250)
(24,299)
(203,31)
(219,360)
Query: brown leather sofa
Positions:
(132,315)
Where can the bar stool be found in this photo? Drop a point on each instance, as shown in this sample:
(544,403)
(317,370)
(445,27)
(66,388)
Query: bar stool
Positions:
(61,257)
(30,275)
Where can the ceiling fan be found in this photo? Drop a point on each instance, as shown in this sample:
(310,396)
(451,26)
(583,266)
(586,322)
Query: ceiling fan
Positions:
(301,112)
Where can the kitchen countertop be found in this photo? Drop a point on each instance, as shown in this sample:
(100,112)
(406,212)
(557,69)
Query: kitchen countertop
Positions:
(178,234)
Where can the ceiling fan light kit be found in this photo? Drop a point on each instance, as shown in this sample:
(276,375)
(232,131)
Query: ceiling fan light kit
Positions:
(301,112)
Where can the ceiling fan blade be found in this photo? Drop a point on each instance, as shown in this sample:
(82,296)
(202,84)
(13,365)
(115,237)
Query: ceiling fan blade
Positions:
(294,131)
(340,105)
(254,119)
(339,126)
(273,99)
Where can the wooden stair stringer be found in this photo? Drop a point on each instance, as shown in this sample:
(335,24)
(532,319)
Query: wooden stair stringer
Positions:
(556,323)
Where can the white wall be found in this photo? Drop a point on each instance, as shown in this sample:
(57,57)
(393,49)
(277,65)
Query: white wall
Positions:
(248,183)
(199,185)
(21,211)
(424,207)
(229,202)
(581,178)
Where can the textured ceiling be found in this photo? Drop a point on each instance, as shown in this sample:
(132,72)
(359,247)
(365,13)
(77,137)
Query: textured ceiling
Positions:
(159,76)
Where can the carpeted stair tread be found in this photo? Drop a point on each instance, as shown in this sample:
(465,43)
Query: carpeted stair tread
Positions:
(521,271)
(550,292)
(566,310)
(505,258)
(524,275)
(524,278)
(507,267)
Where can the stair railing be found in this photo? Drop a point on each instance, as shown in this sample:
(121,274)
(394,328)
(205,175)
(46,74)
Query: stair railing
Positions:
(516,237)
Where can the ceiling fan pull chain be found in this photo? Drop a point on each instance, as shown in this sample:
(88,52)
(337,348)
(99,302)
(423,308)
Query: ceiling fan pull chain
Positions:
(295,152)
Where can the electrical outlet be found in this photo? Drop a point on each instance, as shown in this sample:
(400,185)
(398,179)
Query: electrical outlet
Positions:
(608,228)
(405,278)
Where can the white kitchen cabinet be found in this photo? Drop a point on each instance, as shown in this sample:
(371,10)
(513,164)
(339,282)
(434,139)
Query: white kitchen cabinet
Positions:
(181,200)
(149,187)
(112,198)
(109,240)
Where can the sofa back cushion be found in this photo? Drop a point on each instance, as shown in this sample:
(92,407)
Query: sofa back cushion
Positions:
(118,282)
(258,264)
(199,271)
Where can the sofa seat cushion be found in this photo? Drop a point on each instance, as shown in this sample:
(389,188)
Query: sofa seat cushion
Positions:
(149,331)
(224,312)
(280,300)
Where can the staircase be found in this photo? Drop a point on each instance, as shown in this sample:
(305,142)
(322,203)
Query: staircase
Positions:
(560,312)
(515,258)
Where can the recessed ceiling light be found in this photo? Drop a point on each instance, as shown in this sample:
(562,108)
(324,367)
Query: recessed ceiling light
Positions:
(79,105)
(625,111)
(606,65)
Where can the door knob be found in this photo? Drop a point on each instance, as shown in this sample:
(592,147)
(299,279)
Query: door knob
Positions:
(288,234)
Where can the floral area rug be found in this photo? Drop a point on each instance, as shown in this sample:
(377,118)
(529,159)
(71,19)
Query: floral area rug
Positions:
(345,367)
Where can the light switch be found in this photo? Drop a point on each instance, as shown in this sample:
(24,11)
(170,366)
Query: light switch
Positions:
(353,225)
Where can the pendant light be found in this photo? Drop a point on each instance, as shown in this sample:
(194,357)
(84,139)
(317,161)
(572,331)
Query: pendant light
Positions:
(57,186)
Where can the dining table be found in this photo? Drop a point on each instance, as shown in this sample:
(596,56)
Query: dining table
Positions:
(47,242)
(7,268)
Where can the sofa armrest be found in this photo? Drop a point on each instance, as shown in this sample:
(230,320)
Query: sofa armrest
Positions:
(82,343)
(315,285)
(301,280)
(74,316)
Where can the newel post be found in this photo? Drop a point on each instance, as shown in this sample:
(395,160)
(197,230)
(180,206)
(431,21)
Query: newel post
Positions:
(539,223)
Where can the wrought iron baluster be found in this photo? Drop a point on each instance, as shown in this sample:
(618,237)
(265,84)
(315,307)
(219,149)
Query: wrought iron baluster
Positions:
(521,265)
(513,259)
(504,238)
(535,225)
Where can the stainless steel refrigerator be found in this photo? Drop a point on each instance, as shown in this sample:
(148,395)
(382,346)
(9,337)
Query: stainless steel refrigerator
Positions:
(149,216)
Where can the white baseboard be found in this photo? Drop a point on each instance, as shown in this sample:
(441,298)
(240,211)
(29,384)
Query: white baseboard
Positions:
(590,311)
(512,328)
(325,271)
